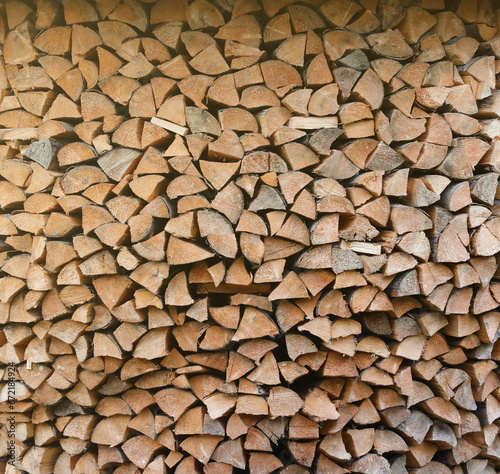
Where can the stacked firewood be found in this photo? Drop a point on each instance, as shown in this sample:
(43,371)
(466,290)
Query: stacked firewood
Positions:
(249,236)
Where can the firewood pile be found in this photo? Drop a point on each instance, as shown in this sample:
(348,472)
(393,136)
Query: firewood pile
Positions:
(249,236)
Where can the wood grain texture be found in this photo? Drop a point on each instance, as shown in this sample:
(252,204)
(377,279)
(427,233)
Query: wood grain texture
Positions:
(250,236)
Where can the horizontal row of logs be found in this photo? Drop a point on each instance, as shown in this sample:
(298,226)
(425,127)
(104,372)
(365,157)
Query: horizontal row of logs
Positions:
(249,236)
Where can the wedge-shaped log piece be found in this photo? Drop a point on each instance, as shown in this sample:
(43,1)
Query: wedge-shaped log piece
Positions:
(318,406)
(185,186)
(151,275)
(255,324)
(18,48)
(226,147)
(177,292)
(267,198)
(219,232)
(405,284)
(370,89)
(75,153)
(174,402)
(416,22)
(180,252)
(283,402)
(339,13)
(298,156)
(201,446)
(16,172)
(113,290)
(111,431)
(390,44)
(96,106)
(201,121)
(336,166)
(290,288)
(278,74)
(339,42)
(231,452)
(44,152)
(384,158)
(450,248)
(407,219)
(210,61)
